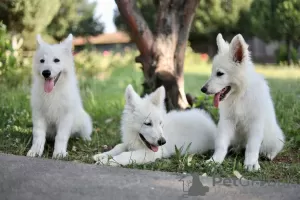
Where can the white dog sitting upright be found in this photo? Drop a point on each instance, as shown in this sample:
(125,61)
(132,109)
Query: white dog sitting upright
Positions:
(57,109)
(148,132)
(247,116)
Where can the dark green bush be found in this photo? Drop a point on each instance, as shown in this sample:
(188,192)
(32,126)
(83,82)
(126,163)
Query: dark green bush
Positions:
(206,103)
(282,55)
(13,69)
(8,60)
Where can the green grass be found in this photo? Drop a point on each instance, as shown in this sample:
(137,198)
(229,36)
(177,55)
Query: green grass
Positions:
(103,99)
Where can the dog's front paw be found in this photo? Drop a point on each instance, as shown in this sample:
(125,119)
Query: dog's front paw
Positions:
(34,153)
(36,150)
(59,154)
(209,161)
(104,159)
(100,156)
(87,138)
(251,162)
(270,155)
(214,160)
(252,166)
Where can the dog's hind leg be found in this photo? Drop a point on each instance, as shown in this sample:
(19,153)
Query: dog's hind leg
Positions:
(273,144)
(86,126)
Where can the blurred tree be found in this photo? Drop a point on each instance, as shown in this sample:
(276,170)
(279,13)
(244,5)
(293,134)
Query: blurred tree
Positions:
(161,42)
(28,17)
(212,16)
(261,15)
(66,15)
(87,24)
(8,17)
(55,19)
(75,16)
(149,13)
(220,16)
(277,20)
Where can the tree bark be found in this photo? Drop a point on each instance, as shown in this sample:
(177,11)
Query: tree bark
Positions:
(162,52)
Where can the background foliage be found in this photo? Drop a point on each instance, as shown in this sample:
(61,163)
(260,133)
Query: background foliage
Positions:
(28,18)
(270,20)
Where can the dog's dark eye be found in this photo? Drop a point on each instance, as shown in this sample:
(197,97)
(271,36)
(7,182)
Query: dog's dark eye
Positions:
(148,123)
(42,61)
(220,73)
(56,60)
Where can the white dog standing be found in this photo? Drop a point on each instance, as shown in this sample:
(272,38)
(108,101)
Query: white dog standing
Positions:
(57,109)
(148,132)
(247,116)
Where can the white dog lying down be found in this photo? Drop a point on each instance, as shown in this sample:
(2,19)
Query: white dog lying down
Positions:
(55,99)
(148,132)
(247,116)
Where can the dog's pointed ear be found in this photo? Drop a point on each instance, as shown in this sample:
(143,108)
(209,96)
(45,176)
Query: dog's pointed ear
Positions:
(158,96)
(131,97)
(221,43)
(68,43)
(39,40)
(238,49)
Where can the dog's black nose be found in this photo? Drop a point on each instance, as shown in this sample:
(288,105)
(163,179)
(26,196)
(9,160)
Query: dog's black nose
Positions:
(204,89)
(46,73)
(161,141)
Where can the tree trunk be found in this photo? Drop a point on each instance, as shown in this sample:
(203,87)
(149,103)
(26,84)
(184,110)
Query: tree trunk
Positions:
(162,52)
(289,51)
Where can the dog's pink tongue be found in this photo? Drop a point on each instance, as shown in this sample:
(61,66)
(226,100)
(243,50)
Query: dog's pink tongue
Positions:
(49,84)
(154,148)
(217,99)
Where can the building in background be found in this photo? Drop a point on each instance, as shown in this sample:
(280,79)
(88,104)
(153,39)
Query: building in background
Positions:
(116,42)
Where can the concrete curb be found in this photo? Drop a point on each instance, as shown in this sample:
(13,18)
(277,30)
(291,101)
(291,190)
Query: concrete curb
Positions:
(45,179)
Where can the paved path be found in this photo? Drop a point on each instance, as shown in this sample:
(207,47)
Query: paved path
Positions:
(23,178)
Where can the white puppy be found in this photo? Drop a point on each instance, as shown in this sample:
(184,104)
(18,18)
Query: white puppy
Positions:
(55,98)
(247,116)
(148,132)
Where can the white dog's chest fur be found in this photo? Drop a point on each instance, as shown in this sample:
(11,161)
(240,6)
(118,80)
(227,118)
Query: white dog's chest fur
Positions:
(56,104)
(240,115)
(52,109)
